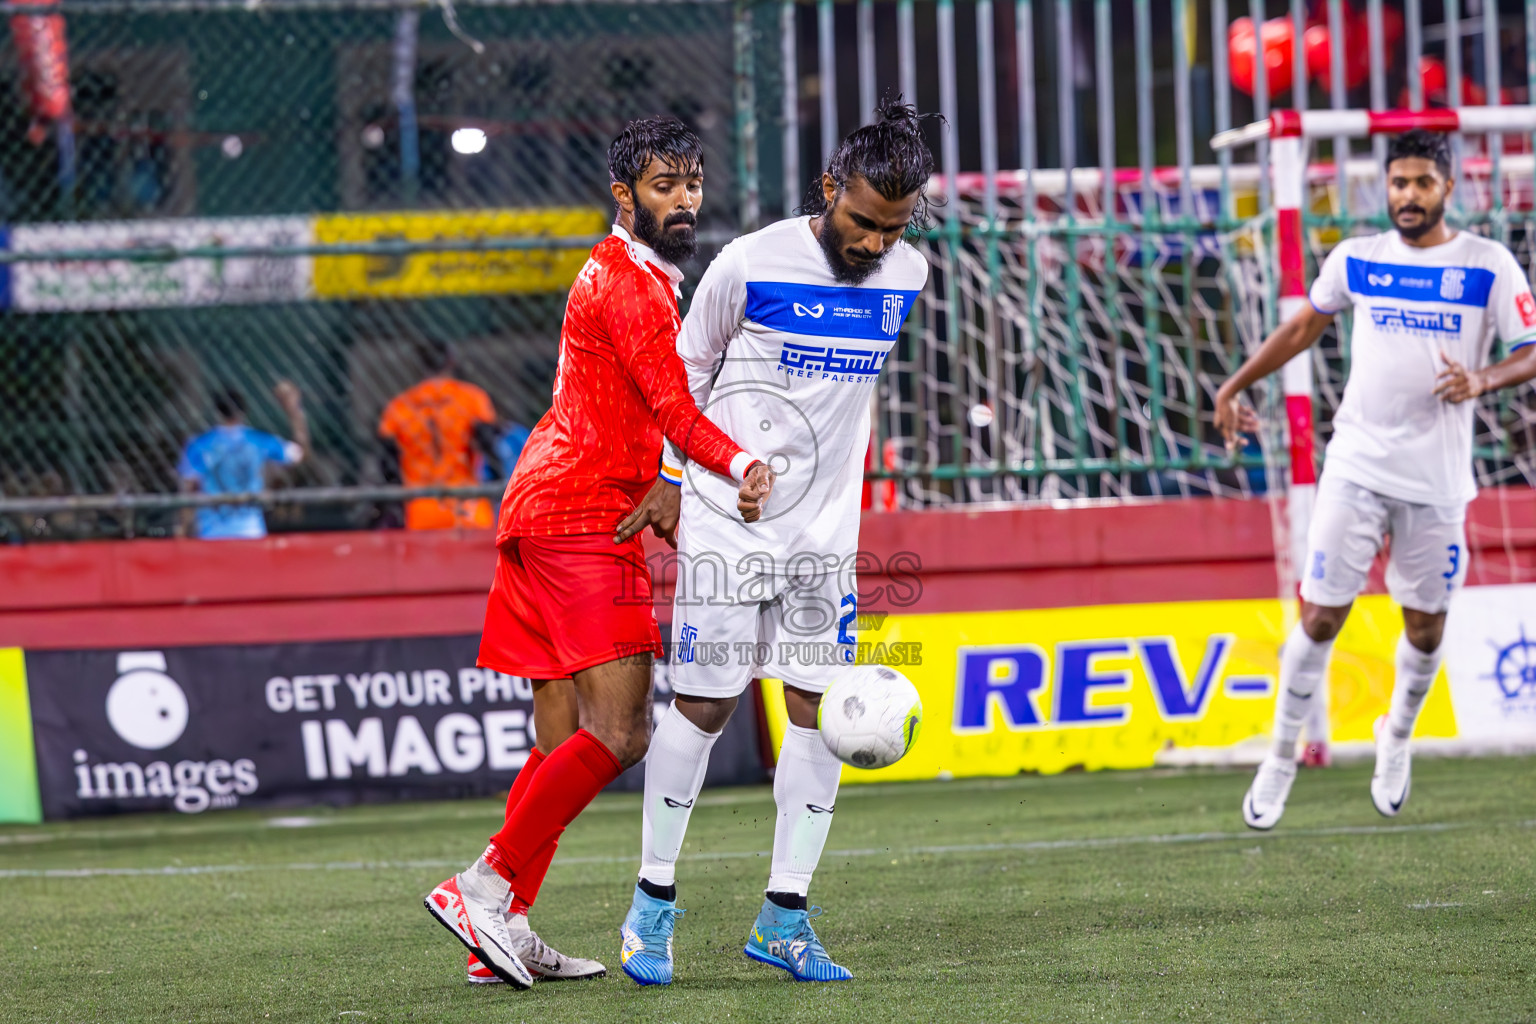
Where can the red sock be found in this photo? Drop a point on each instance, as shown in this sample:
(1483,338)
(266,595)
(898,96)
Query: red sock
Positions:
(533,876)
(523,780)
(519,787)
(567,780)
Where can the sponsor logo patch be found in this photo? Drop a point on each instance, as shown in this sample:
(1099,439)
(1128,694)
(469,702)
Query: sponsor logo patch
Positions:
(685,640)
(1391,318)
(1526,304)
(830,362)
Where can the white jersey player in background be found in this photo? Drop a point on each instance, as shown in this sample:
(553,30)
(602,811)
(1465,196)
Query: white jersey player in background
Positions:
(1428,303)
(783,341)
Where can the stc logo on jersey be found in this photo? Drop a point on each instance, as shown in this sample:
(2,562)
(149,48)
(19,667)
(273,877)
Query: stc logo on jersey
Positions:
(685,640)
(890,321)
(1452,281)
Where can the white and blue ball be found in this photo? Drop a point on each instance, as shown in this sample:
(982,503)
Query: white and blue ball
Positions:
(870,716)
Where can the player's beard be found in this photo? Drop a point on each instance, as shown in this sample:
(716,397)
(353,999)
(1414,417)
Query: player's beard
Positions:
(844,269)
(1428,221)
(675,245)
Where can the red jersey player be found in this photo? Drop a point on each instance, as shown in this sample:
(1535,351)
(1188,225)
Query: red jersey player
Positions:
(570,600)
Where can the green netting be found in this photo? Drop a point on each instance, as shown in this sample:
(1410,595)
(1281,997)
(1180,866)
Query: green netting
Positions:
(248,193)
(190,121)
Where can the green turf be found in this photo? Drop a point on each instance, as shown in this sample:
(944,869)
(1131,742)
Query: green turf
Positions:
(1128,896)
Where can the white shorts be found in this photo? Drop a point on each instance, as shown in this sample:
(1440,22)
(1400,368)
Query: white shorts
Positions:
(1429,547)
(801,630)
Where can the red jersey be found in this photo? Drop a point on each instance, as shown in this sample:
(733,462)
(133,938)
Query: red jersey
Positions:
(620,385)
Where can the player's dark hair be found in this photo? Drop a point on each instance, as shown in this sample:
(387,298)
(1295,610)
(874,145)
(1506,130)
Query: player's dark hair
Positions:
(889,154)
(1429,145)
(663,138)
(228,403)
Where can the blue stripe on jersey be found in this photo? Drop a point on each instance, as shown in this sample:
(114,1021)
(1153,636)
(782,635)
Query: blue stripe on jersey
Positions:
(1465,286)
(866,314)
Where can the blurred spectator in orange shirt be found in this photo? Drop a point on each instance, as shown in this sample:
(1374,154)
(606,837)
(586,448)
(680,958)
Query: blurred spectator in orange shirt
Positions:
(440,433)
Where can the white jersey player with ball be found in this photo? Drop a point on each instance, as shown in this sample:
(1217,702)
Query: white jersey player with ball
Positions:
(784,340)
(1430,304)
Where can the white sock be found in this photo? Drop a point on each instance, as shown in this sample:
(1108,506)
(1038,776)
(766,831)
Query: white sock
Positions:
(483,882)
(1415,674)
(1315,729)
(805,789)
(1303,661)
(674,774)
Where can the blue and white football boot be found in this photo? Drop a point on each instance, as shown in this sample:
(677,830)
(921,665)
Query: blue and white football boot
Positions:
(647,933)
(785,939)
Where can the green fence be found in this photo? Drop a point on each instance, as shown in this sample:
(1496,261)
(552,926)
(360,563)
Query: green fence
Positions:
(242,193)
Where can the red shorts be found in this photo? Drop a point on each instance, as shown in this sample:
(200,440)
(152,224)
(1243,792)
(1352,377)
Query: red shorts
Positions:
(563,604)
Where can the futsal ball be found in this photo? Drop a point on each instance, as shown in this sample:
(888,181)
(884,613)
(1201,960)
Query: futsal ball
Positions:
(870,716)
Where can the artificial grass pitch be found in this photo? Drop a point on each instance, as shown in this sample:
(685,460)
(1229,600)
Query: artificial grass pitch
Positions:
(1103,897)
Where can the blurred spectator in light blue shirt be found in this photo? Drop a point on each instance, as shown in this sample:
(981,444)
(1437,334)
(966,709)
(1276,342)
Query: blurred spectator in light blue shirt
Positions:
(508,447)
(232,459)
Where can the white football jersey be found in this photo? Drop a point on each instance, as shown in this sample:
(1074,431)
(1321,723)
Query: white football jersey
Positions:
(783,357)
(1392,433)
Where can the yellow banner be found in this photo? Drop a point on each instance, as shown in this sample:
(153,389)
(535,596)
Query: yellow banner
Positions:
(1111,686)
(19,799)
(453,273)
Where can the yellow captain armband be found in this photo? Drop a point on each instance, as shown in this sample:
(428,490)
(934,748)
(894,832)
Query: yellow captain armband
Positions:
(672,475)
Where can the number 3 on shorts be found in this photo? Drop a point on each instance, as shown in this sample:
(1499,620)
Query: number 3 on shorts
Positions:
(1450,574)
(1317,564)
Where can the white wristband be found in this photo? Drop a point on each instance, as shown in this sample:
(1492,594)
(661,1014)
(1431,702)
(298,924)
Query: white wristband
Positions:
(739,465)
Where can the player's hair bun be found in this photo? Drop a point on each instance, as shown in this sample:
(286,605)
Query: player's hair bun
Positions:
(889,154)
(898,114)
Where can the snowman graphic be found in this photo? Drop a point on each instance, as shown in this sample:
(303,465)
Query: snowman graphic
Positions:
(145,706)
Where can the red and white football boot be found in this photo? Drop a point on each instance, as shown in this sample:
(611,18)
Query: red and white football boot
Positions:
(542,961)
(472,905)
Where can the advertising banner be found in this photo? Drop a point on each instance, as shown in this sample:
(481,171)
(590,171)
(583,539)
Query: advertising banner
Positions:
(453,273)
(132,284)
(1490,640)
(203,728)
(1112,686)
(18,769)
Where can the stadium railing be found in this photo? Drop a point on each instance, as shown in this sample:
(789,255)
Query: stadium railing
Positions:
(224,194)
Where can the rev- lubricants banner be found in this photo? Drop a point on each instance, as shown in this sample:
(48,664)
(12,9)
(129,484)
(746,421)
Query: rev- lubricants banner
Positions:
(202,728)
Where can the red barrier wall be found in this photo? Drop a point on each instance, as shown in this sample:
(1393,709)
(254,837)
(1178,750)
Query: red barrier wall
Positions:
(359,585)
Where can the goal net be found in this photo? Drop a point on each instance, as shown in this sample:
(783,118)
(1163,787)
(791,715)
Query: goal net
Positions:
(1069,345)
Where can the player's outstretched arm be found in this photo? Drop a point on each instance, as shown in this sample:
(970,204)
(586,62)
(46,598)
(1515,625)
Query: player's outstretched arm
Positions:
(717,309)
(1456,383)
(288,397)
(1290,339)
(643,326)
